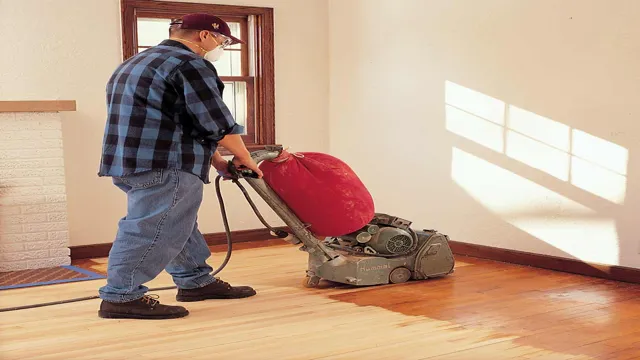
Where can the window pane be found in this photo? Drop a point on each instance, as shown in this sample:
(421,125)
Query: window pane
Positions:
(152,31)
(236,63)
(235,97)
(235,31)
(230,64)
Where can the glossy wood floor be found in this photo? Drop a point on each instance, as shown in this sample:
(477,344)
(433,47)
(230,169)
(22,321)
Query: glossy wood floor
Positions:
(485,310)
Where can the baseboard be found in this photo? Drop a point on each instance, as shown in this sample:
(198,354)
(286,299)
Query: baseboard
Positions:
(89,251)
(609,272)
(240,236)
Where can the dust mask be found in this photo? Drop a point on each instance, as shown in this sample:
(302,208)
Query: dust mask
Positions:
(215,54)
(211,55)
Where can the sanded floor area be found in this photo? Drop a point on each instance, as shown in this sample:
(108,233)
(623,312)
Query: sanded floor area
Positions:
(485,310)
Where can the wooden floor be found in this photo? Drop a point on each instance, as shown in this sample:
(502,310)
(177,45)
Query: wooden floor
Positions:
(485,310)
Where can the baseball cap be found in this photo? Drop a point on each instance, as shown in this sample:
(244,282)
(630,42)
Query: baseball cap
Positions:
(207,22)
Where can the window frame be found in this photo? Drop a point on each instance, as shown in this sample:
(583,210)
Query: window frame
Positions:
(260,123)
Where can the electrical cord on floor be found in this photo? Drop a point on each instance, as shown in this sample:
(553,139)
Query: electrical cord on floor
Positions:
(223,212)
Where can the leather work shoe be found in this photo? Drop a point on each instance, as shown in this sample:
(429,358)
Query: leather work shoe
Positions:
(217,290)
(146,308)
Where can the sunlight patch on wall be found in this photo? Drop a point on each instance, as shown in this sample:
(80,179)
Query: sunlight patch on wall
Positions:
(587,162)
(591,239)
(474,128)
(545,214)
(599,166)
(539,142)
(600,152)
(538,155)
(506,193)
(598,181)
(475,103)
(545,130)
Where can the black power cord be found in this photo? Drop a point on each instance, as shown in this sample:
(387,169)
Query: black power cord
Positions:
(223,212)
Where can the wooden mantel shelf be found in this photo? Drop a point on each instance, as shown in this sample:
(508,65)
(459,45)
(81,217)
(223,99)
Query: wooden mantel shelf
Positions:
(37,106)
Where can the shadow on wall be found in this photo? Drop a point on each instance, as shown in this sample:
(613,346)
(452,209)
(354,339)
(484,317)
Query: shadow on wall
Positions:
(559,184)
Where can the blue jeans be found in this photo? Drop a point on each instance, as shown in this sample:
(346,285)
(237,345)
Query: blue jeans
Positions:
(159,232)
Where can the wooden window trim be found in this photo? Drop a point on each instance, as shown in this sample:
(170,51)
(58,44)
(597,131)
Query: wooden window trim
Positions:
(264,80)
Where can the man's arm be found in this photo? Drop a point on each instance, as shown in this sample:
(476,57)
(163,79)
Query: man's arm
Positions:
(212,120)
(235,145)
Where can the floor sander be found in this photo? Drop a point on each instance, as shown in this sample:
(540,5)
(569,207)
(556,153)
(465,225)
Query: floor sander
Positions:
(386,250)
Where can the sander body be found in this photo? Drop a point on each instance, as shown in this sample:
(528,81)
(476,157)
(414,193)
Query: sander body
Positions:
(386,250)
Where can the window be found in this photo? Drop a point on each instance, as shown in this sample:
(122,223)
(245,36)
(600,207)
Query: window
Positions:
(246,69)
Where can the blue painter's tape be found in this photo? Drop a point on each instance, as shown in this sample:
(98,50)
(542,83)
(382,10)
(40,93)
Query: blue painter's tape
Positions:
(84,271)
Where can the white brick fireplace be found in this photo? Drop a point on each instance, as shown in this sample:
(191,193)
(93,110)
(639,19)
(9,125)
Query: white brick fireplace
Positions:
(33,209)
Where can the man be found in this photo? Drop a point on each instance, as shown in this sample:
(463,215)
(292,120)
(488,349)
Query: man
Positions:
(166,119)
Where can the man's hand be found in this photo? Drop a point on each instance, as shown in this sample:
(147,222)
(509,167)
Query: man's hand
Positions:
(247,162)
(235,145)
(221,165)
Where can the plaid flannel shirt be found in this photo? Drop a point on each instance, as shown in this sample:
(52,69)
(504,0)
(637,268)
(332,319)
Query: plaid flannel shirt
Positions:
(165,110)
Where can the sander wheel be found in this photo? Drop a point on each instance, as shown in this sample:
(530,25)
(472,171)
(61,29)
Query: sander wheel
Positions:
(310,281)
(399,275)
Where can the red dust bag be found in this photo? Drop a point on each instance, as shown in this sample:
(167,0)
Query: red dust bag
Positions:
(321,190)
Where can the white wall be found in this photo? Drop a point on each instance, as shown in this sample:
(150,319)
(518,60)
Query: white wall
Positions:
(68,50)
(535,145)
